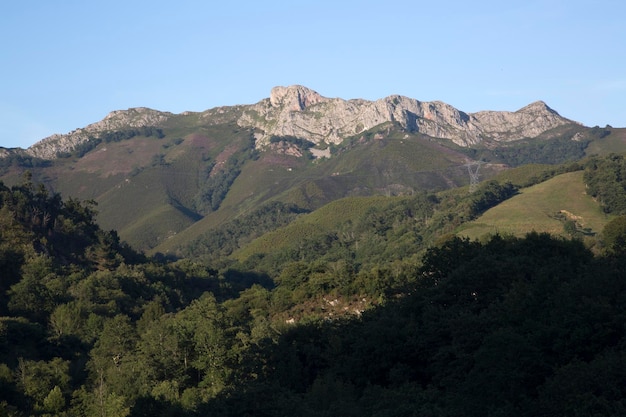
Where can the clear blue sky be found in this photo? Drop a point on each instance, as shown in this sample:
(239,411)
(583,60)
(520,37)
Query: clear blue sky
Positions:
(67,63)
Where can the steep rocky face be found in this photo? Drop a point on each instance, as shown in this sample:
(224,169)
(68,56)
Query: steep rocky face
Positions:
(294,98)
(299,111)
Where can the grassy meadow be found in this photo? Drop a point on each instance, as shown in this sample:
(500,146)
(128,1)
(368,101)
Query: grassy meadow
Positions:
(544,207)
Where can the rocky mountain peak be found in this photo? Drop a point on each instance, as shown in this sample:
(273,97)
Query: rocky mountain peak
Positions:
(528,122)
(301,112)
(133,117)
(537,107)
(294,98)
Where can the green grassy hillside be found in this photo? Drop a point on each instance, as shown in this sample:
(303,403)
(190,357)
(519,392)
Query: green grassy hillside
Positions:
(399,228)
(545,207)
(327,218)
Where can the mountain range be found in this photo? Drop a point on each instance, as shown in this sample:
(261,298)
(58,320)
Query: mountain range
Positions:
(301,112)
(163,180)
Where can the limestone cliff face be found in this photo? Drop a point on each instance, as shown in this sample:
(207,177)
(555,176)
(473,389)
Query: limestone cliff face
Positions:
(51,146)
(299,111)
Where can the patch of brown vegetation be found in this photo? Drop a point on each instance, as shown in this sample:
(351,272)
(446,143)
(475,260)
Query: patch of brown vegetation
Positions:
(572,216)
(286,149)
(197,140)
(220,160)
(119,157)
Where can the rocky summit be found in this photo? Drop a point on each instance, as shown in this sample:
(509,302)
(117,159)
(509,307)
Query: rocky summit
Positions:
(301,112)
(298,111)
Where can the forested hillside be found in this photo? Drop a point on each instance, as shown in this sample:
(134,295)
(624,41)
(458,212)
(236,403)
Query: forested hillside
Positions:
(376,310)
(606,181)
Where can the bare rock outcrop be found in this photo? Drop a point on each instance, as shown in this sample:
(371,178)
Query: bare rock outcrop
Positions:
(294,98)
(299,111)
(527,122)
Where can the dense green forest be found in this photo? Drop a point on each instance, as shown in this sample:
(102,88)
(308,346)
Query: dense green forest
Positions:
(387,315)
(606,181)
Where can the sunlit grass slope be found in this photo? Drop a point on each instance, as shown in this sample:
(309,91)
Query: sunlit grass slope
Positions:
(543,208)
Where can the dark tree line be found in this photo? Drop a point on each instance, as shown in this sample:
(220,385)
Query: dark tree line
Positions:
(489,195)
(552,151)
(233,235)
(215,184)
(606,180)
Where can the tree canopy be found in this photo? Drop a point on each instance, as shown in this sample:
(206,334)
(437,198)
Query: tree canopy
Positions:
(506,326)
